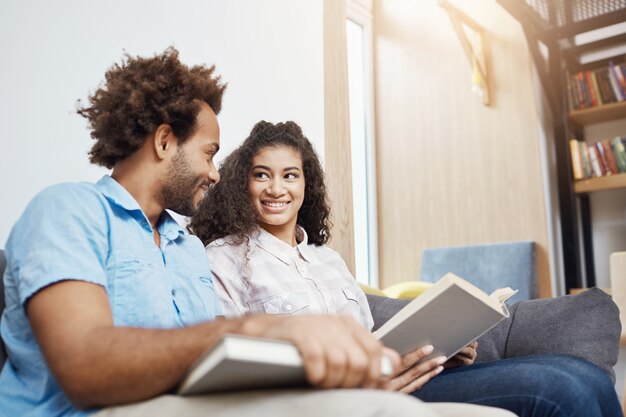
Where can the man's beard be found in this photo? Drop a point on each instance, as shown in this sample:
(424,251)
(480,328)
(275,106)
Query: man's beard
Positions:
(178,192)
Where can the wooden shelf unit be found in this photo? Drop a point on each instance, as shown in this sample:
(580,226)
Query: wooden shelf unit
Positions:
(554,25)
(599,114)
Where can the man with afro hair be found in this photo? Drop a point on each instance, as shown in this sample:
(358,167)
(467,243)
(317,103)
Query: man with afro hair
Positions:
(109,301)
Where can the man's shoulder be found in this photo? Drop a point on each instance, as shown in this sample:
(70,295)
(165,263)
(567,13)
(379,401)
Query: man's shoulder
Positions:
(60,205)
(70,193)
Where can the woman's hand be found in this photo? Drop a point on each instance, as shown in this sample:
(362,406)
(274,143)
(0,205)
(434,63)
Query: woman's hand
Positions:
(413,374)
(465,357)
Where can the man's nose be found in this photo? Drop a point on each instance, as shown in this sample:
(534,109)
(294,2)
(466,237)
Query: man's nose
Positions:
(214,175)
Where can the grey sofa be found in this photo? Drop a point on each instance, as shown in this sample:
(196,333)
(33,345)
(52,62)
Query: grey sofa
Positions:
(585,325)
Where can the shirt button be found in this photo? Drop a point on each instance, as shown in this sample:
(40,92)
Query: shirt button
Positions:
(288,307)
(174,293)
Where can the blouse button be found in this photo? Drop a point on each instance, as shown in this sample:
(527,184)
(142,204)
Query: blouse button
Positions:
(288,307)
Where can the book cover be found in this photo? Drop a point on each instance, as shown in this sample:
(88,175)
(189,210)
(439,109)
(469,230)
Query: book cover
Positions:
(610,156)
(586,97)
(602,75)
(590,88)
(593,159)
(584,157)
(596,88)
(617,91)
(620,153)
(621,82)
(241,362)
(604,165)
(577,167)
(449,315)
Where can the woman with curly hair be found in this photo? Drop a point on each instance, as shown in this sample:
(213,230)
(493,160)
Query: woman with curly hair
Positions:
(265,225)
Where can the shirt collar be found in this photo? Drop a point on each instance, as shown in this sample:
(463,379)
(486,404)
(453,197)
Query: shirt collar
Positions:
(118,195)
(282,250)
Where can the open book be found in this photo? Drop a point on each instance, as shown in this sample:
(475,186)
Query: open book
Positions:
(449,315)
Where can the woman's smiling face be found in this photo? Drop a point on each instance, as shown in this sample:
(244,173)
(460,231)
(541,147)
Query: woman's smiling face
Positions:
(276,188)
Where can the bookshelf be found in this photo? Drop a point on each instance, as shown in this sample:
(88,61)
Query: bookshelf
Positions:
(599,114)
(590,185)
(552,25)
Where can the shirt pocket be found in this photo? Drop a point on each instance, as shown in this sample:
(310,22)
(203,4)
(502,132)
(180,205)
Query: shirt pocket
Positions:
(286,303)
(347,302)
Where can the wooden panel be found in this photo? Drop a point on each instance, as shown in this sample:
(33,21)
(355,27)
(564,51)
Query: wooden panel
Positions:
(337,129)
(450,170)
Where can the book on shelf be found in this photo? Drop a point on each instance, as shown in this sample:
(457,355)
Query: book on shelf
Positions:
(449,315)
(584,157)
(587,89)
(577,166)
(610,156)
(620,153)
(593,159)
(604,164)
(620,93)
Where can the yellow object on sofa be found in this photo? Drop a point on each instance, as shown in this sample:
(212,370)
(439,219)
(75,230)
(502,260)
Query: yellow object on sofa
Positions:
(407,289)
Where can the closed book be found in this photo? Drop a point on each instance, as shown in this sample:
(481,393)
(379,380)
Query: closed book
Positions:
(596,88)
(615,86)
(584,157)
(240,362)
(610,156)
(602,76)
(586,97)
(449,316)
(621,82)
(602,159)
(577,166)
(620,153)
(590,88)
(593,159)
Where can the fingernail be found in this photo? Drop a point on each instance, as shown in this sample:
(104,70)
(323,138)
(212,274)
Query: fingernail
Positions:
(428,349)
(439,369)
(441,360)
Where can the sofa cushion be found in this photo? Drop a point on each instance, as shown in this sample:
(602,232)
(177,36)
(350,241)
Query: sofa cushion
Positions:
(585,325)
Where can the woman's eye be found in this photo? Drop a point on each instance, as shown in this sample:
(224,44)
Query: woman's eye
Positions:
(260,175)
(291,176)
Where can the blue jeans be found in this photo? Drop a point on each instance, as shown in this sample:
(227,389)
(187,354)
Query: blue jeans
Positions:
(530,386)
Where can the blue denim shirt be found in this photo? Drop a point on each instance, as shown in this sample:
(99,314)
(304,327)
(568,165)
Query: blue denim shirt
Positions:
(99,234)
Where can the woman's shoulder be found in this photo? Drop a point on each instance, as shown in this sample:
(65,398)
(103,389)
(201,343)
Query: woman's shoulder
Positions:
(231,244)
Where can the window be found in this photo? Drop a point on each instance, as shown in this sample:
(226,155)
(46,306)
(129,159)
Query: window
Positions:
(360,85)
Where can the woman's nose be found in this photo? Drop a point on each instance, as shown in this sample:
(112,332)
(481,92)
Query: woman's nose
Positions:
(276,188)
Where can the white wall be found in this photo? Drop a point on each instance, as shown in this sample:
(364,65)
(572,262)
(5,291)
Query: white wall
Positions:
(270,53)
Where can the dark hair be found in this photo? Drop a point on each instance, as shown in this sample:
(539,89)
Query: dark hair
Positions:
(227,210)
(142,93)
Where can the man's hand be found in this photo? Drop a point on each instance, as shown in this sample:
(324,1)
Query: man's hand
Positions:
(337,352)
(414,372)
(465,357)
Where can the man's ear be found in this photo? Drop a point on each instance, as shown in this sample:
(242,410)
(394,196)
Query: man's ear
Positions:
(164,141)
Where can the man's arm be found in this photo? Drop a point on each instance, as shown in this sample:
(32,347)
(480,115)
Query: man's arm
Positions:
(98,364)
